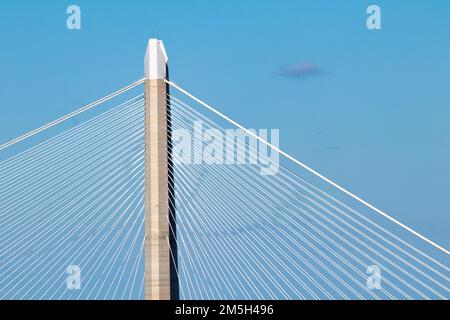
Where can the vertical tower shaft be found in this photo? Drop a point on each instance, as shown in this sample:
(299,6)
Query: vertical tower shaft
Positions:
(157,252)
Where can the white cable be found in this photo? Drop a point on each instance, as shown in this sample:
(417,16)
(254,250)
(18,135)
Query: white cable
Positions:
(246,249)
(213,264)
(73,231)
(35,183)
(127,256)
(71,115)
(204,269)
(79,204)
(369,248)
(124,212)
(135,265)
(290,210)
(173,204)
(59,155)
(418,270)
(32,208)
(310,245)
(331,182)
(388,260)
(276,236)
(220,206)
(110,114)
(132,189)
(106,213)
(212,254)
(190,114)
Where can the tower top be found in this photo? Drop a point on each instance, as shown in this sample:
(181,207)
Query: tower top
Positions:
(155,61)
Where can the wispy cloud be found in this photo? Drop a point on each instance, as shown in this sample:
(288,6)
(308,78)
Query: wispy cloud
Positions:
(301,70)
(333,148)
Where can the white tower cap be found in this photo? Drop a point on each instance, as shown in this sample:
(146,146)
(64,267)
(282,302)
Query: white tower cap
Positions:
(155,61)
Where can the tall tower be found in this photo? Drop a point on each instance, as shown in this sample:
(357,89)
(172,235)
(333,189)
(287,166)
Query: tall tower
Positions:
(157,251)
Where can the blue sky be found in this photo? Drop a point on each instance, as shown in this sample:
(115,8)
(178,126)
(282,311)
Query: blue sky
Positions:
(376,119)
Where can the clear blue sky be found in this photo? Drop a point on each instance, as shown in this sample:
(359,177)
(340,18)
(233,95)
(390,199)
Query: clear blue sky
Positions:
(374,115)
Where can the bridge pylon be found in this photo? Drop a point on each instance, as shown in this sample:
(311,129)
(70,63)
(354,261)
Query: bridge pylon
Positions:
(158,235)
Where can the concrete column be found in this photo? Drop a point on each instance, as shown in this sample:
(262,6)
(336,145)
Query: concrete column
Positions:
(157,254)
